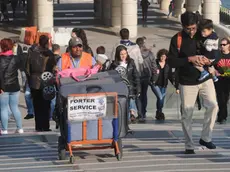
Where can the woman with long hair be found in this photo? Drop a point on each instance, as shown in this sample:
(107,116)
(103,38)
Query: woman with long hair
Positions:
(123,60)
(160,86)
(223,85)
(80,33)
(10,88)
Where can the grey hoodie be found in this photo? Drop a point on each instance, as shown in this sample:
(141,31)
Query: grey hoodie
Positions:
(149,68)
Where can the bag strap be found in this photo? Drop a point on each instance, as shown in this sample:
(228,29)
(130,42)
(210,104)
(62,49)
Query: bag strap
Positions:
(86,75)
(179,40)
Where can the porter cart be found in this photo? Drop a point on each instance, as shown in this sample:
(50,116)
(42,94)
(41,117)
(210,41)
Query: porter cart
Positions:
(89,119)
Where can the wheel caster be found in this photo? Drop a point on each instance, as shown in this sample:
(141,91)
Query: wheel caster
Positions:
(119,157)
(130,132)
(62,154)
(120,147)
(72,159)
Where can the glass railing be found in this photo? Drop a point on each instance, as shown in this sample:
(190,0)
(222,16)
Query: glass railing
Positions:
(225,15)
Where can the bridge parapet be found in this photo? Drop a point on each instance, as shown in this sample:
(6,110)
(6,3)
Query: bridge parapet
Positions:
(225,15)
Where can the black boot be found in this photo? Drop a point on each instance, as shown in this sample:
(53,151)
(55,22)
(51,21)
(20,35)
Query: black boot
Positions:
(157,115)
(160,115)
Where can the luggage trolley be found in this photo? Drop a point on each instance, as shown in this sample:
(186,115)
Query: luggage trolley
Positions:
(91,119)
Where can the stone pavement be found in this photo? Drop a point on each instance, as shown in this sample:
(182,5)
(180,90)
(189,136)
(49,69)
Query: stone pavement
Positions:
(153,147)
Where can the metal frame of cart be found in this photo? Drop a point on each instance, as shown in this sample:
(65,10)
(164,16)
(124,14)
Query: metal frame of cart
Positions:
(113,143)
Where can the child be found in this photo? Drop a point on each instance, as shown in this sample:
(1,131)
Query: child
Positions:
(209,48)
(102,59)
(56,50)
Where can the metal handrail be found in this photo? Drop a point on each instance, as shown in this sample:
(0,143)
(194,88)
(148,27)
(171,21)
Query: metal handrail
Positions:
(225,15)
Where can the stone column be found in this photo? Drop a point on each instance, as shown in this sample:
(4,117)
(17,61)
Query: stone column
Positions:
(106,11)
(211,10)
(30,12)
(129,16)
(98,9)
(35,12)
(193,5)
(45,14)
(164,5)
(179,5)
(116,13)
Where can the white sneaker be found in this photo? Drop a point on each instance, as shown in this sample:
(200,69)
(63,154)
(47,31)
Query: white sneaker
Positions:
(4,132)
(20,131)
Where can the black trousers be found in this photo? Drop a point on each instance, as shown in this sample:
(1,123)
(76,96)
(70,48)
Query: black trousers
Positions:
(144,96)
(222,93)
(41,111)
(144,13)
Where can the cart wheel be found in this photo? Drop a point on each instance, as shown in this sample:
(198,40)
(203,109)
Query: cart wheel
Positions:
(61,149)
(72,159)
(119,156)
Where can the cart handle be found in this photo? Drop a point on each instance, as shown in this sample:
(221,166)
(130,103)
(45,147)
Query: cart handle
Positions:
(89,88)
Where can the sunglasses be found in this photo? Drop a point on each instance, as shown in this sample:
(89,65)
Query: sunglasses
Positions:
(223,45)
(190,29)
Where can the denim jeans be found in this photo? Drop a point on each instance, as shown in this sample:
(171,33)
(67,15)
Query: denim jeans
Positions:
(132,107)
(10,99)
(9,112)
(29,102)
(160,93)
(52,106)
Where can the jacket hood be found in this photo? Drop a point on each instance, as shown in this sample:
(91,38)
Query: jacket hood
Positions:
(101,58)
(145,52)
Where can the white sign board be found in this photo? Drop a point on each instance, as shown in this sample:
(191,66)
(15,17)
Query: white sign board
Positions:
(86,108)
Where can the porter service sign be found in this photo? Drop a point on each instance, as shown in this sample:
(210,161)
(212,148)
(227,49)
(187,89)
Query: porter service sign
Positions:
(86,108)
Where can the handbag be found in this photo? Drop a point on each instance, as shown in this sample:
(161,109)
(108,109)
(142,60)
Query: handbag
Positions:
(75,73)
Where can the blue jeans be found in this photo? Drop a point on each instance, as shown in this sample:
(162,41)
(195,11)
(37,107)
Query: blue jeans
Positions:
(9,112)
(160,93)
(52,106)
(132,107)
(10,99)
(29,102)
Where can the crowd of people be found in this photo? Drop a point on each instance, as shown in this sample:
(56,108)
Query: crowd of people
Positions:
(14,4)
(196,64)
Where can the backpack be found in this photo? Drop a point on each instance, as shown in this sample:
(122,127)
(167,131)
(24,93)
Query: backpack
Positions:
(146,67)
(179,41)
(145,72)
(176,70)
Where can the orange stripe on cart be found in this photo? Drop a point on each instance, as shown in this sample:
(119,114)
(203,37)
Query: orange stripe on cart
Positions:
(100,129)
(84,130)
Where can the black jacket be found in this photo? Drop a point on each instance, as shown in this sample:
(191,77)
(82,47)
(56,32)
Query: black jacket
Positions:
(39,60)
(168,75)
(188,74)
(132,76)
(57,57)
(9,72)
